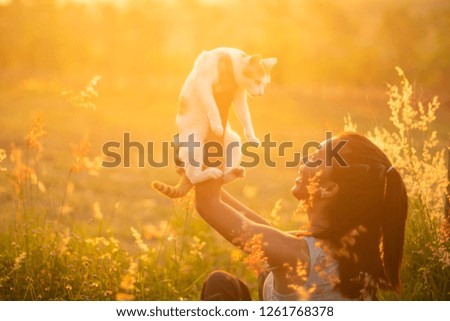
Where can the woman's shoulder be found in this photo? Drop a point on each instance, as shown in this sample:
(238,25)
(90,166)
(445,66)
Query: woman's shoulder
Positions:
(314,250)
(310,243)
(286,249)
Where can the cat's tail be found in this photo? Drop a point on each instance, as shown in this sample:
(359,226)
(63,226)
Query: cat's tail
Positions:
(182,188)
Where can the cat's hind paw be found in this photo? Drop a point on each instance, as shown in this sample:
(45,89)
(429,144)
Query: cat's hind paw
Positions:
(254,140)
(217,130)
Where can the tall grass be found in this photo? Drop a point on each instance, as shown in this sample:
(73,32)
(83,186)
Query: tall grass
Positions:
(414,150)
(47,257)
(46,254)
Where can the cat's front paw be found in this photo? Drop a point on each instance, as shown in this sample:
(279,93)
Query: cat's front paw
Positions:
(217,130)
(254,139)
(213,173)
(239,171)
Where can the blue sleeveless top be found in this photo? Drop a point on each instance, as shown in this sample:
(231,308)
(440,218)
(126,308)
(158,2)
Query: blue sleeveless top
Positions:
(319,282)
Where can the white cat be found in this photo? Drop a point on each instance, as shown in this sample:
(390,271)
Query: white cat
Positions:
(229,74)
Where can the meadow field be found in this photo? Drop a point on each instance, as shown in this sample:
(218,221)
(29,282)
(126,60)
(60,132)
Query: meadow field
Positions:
(75,76)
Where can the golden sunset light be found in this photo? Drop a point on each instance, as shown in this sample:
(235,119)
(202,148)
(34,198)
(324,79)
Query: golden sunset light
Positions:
(327,118)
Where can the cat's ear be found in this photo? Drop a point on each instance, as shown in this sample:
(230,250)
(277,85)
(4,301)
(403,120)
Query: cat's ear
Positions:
(253,59)
(269,63)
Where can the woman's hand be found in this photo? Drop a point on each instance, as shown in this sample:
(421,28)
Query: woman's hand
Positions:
(207,194)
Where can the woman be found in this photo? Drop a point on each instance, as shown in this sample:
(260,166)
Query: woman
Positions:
(353,244)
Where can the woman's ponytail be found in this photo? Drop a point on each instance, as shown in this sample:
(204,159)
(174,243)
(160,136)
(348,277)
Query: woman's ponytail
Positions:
(395,208)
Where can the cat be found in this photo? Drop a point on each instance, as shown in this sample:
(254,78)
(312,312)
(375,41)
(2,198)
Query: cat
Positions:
(220,77)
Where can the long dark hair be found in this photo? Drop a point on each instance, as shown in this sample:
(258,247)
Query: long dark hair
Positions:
(367,218)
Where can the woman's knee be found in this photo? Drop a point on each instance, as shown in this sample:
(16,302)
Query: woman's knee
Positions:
(223,286)
(218,276)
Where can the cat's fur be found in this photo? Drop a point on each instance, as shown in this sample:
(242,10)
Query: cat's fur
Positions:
(220,77)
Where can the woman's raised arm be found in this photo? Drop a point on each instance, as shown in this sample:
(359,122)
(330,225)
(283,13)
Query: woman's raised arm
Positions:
(241,208)
(239,225)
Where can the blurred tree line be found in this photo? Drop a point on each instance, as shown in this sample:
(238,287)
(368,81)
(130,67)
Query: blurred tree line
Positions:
(317,41)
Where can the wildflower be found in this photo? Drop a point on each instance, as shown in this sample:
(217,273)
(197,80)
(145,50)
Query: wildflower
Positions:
(413,147)
(301,208)
(197,247)
(129,279)
(256,260)
(442,250)
(124,297)
(312,189)
(303,293)
(236,255)
(35,134)
(150,231)
(79,152)
(347,241)
(35,181)
(153,232)
(349,125)
(2,158)
(107,293)
(85,98)
(298,276)
(274,214)
(138,240)
(63,245)
(97,212)
(187,202)
(81,161)
(21,172)
(19,260)
(114,242)
(301,271)
(85,261)
(66,209)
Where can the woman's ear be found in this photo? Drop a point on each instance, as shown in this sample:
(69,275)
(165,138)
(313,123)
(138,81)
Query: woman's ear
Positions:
(329,189)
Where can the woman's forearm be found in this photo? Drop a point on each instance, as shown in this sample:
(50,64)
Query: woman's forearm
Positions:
(250,214)
(239,229)
(229,222)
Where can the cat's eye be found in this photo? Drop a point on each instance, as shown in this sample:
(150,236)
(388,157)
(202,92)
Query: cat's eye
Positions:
(258,82)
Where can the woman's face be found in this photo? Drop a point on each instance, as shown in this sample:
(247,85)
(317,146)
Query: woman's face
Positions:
(307,171)
(313,187)
(312,181)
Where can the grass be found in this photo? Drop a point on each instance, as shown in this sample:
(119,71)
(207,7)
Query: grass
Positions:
(73,231)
